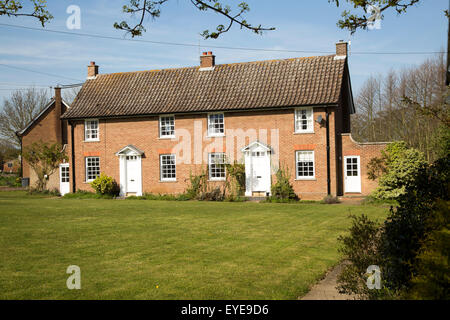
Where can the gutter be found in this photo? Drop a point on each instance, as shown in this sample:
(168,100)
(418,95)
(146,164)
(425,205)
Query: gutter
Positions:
(145,115)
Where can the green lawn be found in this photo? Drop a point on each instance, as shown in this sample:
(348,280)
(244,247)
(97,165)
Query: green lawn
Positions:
(141,249)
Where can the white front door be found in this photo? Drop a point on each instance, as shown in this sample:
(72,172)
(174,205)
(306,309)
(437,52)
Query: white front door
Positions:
(352,174)
(257,171)
(64,184)
(261,171)
(132,165)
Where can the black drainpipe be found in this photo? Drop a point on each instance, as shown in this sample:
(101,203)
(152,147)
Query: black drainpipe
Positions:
(21,154)
(74,186)
(328,151)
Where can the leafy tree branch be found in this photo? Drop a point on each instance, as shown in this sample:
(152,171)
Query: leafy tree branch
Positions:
(14,8)
(153,9)
(219,8)
(352,21)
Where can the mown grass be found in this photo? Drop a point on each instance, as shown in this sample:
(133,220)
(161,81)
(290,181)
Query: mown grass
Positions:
(138,249)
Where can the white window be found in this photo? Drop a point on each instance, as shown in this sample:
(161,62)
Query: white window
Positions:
(259,154)
(216,124)
(64,173)
(92,168)
(168,167)
(167,126)
(305,165)
(91,130)
(304,122)
(216,166)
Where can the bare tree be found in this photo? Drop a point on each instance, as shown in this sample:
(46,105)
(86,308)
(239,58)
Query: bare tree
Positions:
(70,94)
(18,110)
(406,105)
(367,107)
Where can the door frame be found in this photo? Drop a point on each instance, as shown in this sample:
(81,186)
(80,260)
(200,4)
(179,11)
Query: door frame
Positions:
(124,174)
(129,150)
(248,158)
(65,165)
(359,174)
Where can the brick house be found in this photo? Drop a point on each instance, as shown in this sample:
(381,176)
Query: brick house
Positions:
(151,129)
(47,126)
(11,166)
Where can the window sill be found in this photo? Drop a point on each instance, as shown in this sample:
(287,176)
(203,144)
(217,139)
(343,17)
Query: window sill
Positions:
(162,181)
(217,180)
(98,140)
(304,132)
(167,138)
(215,136)
(305,179)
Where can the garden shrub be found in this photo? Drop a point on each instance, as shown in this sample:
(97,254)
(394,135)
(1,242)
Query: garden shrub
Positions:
(82,194)
(235,183)
(396,169)
(104,184)
(413,244)
(361,249)
(432,278)
(216,194)
(283,189)
(10,180)
(232,190)
(35,191)
(167,197)
(409,225)
(198,185)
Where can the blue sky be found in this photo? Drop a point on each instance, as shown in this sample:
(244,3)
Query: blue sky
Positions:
(300,25)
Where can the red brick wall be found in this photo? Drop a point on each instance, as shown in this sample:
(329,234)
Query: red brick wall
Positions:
(144,134)
(14,169)
(47,129)
(366,151)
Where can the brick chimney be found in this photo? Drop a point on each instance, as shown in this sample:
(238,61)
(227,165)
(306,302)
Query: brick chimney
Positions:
(341,49)
(207,61)
(59,111)
(92,70)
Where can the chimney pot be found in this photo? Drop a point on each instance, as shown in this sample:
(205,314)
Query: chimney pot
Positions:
(92,70)
(207,60)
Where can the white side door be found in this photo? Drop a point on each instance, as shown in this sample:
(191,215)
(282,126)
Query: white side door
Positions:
(64,183)
(352,174)
(132,174)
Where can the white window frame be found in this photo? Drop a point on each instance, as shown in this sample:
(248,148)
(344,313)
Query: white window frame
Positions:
(211,178)
(215,134)
(166,136)
(88,130)
(297,153)
(87,168)
(64,173)
(309,120)
(161,167)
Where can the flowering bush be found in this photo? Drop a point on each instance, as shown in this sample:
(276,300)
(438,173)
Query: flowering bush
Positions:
(104,184)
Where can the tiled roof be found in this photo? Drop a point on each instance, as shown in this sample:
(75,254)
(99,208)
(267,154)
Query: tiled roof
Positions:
(239,86)
(39,115)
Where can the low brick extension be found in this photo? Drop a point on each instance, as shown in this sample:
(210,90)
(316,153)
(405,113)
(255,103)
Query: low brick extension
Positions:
(366,151)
